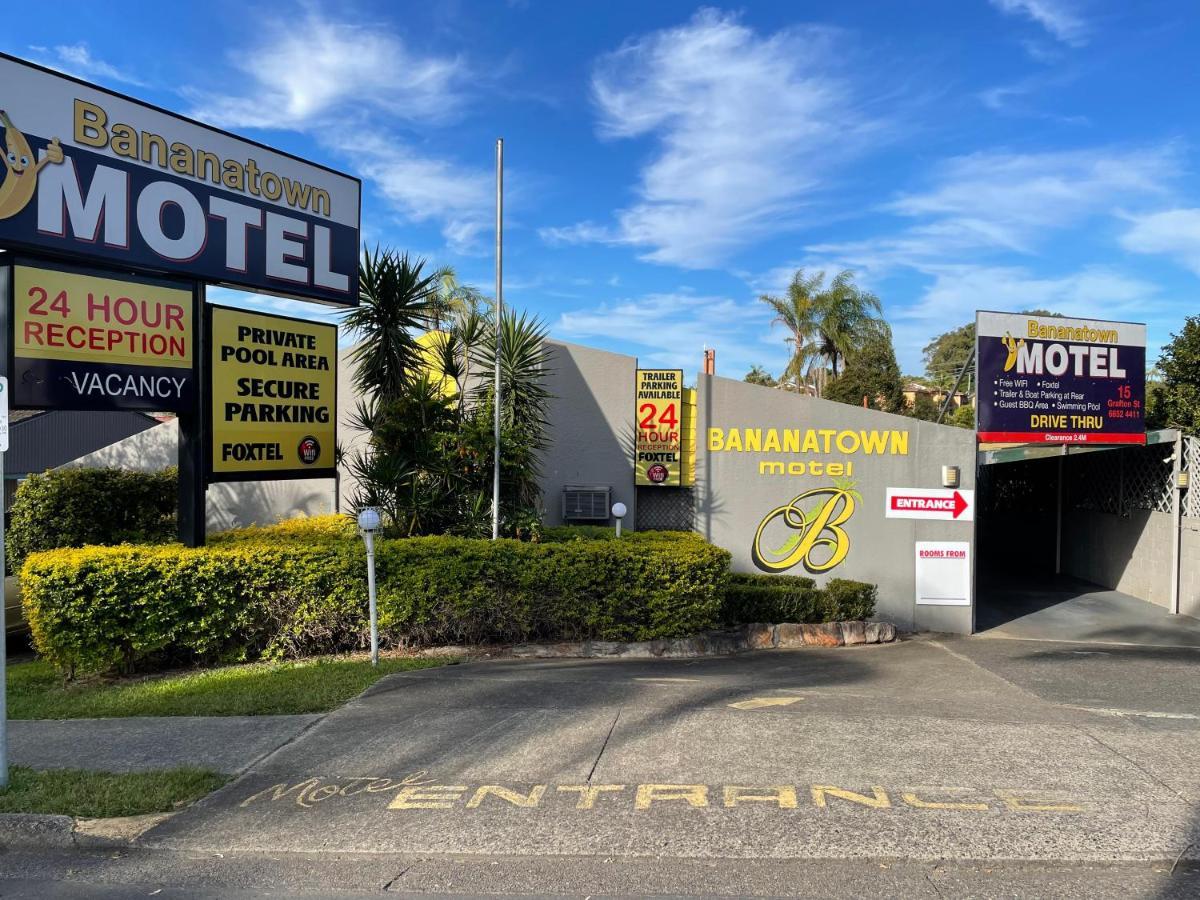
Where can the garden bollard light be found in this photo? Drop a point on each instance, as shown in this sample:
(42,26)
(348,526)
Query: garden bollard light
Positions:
(368,524)
(618,512)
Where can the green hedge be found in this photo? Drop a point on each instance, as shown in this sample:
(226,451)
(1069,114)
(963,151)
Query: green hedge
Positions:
(76,507)
(788,598)
(300,588)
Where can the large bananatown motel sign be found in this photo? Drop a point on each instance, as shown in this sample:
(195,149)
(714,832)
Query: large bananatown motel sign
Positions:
(1047,379)
(97,176)
(116,214)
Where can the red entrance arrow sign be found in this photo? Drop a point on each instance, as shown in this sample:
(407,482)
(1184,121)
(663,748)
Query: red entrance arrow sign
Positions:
(930,503)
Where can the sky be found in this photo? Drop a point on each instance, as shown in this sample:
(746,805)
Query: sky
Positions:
(667,163)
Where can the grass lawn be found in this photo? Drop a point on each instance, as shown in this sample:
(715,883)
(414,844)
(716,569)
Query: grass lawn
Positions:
(75,792)
(37,691)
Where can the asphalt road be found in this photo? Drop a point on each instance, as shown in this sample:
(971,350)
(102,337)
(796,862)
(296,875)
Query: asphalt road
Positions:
(965,767)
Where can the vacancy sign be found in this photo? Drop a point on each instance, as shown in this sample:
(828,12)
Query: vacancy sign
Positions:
(930,503)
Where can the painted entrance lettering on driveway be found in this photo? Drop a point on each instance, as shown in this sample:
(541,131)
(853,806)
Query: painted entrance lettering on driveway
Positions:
(419,792)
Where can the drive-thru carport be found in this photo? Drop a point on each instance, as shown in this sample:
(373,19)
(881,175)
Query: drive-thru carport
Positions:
(1090,543)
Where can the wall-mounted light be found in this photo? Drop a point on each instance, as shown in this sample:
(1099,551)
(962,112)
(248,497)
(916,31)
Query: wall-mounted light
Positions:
(1183,481)
(950,476)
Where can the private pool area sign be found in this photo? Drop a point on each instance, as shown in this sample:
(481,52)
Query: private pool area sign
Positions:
(95,175)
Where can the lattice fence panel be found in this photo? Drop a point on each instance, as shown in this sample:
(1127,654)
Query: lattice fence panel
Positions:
(1094,482)
(1148,478)
(666,509)
(1191,465)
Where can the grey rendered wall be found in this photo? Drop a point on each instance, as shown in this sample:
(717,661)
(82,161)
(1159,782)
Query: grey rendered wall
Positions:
(1130,553)
(1189,575)
(592,427)
(231,505)
(732,497)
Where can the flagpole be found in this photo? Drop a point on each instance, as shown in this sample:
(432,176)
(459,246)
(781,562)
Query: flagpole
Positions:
(499,330)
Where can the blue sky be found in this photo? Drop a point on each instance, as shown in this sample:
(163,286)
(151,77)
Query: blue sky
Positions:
(668,162)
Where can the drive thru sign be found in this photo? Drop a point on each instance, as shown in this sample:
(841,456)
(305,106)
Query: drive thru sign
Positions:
(930,503)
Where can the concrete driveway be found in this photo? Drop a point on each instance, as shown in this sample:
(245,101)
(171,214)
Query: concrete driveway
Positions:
(957,749)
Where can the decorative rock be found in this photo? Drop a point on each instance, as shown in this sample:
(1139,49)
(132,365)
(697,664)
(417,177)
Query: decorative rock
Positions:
(760,636)
(854,632)
(880,632)
(788,634)
(825,634)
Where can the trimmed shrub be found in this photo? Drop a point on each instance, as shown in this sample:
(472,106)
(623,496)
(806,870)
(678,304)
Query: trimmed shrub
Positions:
(789,598)
(77,507)
(300,588)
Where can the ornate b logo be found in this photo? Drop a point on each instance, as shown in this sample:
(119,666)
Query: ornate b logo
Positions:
(818,541)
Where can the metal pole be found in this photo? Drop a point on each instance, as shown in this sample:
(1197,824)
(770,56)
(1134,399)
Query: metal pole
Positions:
(499,329)
(957,382)
(369,538)
(3,638)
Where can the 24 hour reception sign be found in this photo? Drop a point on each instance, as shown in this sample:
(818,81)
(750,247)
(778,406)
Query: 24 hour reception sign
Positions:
(86,341)
(97,175)
(1045,379)
(273,396)
(659,408)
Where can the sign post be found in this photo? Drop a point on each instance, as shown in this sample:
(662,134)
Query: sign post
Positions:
(3,623)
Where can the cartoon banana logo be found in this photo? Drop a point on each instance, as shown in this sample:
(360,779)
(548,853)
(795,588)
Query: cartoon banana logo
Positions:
(816,518)
(21,171)
(1012,345)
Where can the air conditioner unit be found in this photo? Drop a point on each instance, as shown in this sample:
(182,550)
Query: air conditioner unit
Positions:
(586,502)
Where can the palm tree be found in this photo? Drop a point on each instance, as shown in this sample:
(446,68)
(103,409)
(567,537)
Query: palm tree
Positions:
(824,323)
(846,317)
(396,300)
(455,299)
(796,313)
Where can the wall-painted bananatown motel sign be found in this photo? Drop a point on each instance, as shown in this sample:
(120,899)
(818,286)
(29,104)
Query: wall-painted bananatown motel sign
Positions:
(1052,380)
(97,176)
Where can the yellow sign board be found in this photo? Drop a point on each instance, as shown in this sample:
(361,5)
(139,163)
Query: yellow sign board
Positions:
(273,396)
(86,341)
(662,423)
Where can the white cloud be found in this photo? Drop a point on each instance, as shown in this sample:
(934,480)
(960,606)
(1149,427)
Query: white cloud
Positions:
(745,125)
(1058,17)
(1006,202)
(355,88)
(302,71)
(424,188)
(673,329)
(77,60)
(1174,233)
(956,291)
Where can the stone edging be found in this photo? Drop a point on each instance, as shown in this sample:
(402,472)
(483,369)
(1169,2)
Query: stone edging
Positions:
(758,636)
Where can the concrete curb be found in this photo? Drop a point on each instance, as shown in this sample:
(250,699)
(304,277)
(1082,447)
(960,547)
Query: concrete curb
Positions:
(39,831)
(34,830)
(759,636)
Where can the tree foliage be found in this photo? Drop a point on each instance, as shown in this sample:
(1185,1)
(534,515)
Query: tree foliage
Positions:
(1176,402)
(871,372)
(428,407)
(824,323)
(946,354)
(759,375)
